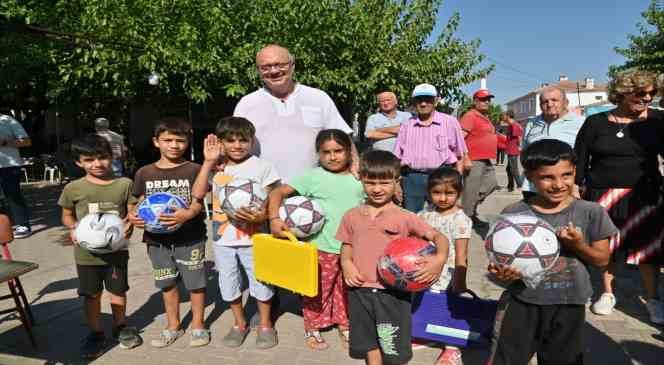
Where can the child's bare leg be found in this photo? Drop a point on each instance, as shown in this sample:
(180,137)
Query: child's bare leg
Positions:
(172,307)
(93,312)
(374,357)
(119,309)
(197,298)
(238,313)
(264,312)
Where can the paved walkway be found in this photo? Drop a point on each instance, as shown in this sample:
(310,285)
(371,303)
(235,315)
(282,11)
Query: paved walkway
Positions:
(624,337)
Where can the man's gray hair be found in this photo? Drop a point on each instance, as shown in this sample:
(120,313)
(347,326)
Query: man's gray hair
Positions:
(550,88)
(101,124)
(291,58)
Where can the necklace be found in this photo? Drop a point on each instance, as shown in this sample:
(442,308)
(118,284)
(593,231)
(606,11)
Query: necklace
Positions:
(620,133)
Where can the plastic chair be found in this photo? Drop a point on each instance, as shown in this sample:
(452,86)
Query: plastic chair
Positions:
(25,174)
(10,271)
(51,171)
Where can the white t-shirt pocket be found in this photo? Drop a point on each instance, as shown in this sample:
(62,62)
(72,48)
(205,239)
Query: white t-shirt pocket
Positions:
(312,116)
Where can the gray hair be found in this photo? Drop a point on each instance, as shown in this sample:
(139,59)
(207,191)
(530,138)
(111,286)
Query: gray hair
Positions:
(550,88)
(101,124)
(291,58)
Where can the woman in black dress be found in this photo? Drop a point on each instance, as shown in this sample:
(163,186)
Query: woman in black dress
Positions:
(618,168)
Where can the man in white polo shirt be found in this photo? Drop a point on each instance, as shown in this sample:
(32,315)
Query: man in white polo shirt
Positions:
(287,115)
(13,137)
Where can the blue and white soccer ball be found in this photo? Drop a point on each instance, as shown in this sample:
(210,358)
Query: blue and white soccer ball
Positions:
(156,204)
(101,233)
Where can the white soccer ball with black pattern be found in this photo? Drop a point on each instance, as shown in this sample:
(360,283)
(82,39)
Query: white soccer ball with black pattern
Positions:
(101,233)
(241,193)
(303,216)
(524,242)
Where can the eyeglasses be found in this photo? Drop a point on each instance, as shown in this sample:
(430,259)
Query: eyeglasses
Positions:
(642,94)
(283,66)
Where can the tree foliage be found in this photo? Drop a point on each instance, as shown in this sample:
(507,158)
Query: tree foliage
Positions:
(646,50)
(204,49)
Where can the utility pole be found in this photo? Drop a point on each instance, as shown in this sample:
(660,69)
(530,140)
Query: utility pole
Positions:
(578,92)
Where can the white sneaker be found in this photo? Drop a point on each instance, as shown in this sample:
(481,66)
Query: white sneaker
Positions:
(655,310)
(604,305)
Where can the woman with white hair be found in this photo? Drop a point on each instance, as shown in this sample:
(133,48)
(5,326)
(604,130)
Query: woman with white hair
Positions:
(618,167)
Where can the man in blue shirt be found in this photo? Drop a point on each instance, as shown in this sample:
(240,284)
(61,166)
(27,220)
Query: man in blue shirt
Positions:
(382,128)
(555,122)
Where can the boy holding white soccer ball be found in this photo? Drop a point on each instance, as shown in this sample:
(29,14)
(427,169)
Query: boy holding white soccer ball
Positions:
(549,318)
(95,193)
(239,191)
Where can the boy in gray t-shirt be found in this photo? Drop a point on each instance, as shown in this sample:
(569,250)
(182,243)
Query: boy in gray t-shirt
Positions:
(548,320)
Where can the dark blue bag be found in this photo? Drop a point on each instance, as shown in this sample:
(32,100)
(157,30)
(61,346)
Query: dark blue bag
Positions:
(453,319)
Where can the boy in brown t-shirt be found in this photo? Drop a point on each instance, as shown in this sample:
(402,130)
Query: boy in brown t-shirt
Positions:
(379,316)
(179,254)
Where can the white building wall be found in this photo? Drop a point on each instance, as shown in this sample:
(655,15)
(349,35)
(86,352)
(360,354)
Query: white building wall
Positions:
(587,98)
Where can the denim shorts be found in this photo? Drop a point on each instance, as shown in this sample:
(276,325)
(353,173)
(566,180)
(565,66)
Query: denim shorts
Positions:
(228,260)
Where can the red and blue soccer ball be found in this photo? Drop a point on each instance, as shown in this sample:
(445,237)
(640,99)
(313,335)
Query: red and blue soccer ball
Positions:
(397,266)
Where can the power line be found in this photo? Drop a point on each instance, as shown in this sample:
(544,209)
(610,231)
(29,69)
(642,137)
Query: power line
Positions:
(514,69)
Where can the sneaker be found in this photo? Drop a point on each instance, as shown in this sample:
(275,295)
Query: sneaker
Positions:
(128,337)
(604,305)
(655,310)
(166,338)
(199,337)
(266,338)
(235,337)
(450,356)
(93,345)
(22,232)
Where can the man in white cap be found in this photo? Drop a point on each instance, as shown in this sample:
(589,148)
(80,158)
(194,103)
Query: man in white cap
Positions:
(426,142)
(116,141)
(482,142)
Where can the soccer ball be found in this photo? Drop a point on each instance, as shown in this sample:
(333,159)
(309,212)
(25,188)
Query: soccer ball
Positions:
(241,193)
(524,242)
(101,233)
(156,204)
(303,216)
(397,266)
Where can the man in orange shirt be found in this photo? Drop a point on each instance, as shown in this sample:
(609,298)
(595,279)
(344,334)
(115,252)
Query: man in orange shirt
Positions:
(480,136)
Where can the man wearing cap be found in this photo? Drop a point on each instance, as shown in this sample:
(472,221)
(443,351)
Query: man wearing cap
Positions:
(116,141)
(427,141)
(382,128)
(288,115)
(480,137)
(13,137)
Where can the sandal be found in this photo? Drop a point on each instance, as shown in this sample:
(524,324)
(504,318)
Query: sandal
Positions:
(344,336)
(315,341)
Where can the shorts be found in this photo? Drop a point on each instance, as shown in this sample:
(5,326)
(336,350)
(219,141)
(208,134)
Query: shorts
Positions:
(554,332)
(172,261)
(380,319)
(230,277)
(92,279)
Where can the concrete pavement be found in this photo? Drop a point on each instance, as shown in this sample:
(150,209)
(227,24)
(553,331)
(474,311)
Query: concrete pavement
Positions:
(625,337)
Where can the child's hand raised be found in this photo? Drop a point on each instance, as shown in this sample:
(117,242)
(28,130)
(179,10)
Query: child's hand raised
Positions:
(504,273)
(430,268)
(570,236)
(352,275)
(212,149)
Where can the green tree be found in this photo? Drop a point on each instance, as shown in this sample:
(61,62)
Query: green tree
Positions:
(205,49)
(646,50)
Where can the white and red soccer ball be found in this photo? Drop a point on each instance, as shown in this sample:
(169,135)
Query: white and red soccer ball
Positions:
(241,193)
(303,216)
(524,242)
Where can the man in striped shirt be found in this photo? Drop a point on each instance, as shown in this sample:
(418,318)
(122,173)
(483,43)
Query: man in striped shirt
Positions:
(427,141)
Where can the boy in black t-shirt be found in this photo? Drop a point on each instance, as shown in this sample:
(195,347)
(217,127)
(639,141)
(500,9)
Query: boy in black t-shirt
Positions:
(179,254)
(548,320)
